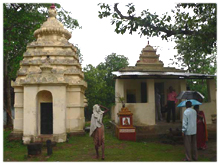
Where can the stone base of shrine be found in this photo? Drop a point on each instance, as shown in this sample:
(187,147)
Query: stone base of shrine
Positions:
(76,133)
(15,135)
(126,133)
(59,138)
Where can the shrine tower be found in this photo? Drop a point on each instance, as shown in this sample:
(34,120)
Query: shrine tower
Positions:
(149,58)
(49,88)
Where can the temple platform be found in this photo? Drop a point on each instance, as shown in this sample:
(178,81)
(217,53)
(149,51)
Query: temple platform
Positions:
(163,128)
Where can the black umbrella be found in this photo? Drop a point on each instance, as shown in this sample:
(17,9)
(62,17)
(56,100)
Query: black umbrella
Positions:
(190,95)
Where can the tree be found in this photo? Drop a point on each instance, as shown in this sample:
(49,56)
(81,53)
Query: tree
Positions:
(101,85)
(96,89)
(193,29)
(20,22)
(191,26)
(113,62)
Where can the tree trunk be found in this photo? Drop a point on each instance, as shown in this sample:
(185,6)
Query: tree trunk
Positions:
(7,103)
(7,95)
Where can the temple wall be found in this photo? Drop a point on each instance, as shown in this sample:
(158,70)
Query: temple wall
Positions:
(75,120)
(209,108)
(144,113)
(31,127)
(18,110)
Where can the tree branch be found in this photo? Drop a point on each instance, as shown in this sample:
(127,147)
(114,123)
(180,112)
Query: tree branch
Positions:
(155,28)
(119,13)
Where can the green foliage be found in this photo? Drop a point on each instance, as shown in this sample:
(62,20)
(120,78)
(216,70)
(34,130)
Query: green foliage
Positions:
(101,85)
(192,26)
(20,22)
(198,52)
(112,63)
(96,90)
(201,86)
(78,52)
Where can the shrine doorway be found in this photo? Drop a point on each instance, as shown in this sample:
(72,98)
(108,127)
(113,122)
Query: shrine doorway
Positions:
(46,118)
(45,112)
(160,88)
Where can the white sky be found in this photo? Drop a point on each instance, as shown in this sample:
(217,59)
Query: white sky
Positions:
(97,38)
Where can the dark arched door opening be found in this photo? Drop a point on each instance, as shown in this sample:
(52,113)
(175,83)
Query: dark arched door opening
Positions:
(46,118)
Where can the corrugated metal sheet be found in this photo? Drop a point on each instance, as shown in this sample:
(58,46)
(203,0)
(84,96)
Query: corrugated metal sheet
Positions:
(176,74)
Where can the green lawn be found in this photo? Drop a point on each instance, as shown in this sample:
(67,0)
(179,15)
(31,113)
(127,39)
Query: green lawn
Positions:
(82,149)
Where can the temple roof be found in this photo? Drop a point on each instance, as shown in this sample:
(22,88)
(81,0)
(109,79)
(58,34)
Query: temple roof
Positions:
(51,59)
(149,61)
(52,25)
(161,75)
(149,66)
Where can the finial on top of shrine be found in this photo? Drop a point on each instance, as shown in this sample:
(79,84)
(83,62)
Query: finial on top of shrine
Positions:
(52,11)
(52,6)
(148,42)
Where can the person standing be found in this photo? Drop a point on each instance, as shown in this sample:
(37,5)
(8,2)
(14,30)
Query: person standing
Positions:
(189,128)
(158,105)
(97,128)
(171,103)
(202,134)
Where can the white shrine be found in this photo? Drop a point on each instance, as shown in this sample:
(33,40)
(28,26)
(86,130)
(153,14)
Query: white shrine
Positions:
(49,88)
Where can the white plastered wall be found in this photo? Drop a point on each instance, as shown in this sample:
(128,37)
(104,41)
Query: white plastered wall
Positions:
(209,108)
(31,110)
(75,120)
(143,113)
(18,110)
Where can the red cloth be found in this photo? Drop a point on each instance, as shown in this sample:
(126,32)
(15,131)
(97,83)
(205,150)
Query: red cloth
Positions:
(202,135)
(172,96)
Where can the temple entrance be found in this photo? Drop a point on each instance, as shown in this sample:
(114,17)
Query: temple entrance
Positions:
(46,113)
(160,88)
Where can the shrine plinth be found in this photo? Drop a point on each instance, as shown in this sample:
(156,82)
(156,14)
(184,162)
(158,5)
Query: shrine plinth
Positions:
(125,130)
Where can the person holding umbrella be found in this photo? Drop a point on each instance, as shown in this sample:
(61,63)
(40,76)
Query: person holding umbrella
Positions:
(171,103)
(189,128)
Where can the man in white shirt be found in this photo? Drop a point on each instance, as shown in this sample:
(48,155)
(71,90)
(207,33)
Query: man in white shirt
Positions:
(189,129)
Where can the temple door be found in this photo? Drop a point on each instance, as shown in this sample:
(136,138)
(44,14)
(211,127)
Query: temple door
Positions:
(46,118)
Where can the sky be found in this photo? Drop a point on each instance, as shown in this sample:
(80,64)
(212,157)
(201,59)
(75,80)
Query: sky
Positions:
(97,38)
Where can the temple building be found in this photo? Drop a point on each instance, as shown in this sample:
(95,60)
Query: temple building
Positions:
(49,88)
(137,84)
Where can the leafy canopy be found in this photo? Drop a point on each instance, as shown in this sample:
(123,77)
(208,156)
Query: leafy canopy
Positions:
(101,85)
(192,26)
(20,22)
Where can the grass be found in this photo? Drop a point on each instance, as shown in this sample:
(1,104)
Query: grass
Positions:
(79,149)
